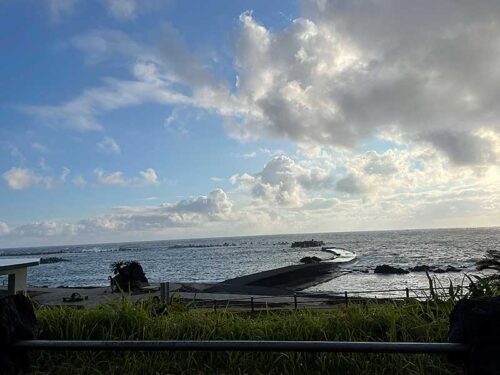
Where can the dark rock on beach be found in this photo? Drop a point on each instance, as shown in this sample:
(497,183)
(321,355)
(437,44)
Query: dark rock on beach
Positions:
(51,260)
(129,276)
(477,322)
(17,322)
(309,260)
(385,269)
(305,244)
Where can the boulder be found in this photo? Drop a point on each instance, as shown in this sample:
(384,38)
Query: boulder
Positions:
(129,276)
(17,322)
(304,244)
(421,268)
(447,269)
(385,269)
(309,260)
(51,260)
(477,322)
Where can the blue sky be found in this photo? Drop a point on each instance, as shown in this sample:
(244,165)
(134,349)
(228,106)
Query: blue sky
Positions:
(153,119)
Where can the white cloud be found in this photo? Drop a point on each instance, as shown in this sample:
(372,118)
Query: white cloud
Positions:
(18,178)
(4,228)
(60,8)
(344,72)
(40,148)
(112,178)
(122,9)
(64,174)
(79,181)
(147,177)
(249,155)
(283,181)
(109,146)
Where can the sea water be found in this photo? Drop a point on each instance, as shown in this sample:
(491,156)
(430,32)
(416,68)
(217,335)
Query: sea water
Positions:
(217,259)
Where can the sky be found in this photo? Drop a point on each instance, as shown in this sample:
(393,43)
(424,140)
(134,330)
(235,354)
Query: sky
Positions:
(128,120)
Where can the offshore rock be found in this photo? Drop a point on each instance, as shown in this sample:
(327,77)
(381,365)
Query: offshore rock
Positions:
(309,260)
(305,244)
(385,269)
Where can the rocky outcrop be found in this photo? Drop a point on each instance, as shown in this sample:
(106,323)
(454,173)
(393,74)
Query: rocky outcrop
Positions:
(477,322)
(385,269)
(129,276)
(306,244)
(309,260)
(51,260)
(421,268)
(17,322)
(447,269)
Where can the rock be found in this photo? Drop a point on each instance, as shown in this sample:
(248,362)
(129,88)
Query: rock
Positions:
(421,268)
(129,276)
(311,243)
(477,322)
(385,269)
(309,260)
(51,260)
(17,322)
(447,269)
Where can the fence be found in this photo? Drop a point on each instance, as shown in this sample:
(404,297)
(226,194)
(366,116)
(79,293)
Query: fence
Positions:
(296,301)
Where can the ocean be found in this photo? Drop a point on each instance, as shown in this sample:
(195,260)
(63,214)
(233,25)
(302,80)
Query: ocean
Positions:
(217,259)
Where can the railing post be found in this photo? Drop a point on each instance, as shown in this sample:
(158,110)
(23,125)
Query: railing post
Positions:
(295,301)
(167,293)
(407,292)
(215,305)
(162,292)
(346,298)
(251,303)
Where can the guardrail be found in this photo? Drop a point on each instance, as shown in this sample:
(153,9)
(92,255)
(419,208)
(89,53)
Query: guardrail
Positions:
(248,346)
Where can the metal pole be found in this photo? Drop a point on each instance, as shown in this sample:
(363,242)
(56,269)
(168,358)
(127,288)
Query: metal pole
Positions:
(346,298)
(215,305)
(167,293)
(258,346)
(162,292)
(251,303)
(407,293)
(295,301)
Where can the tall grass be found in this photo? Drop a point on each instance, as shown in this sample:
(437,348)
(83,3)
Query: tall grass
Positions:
(408,321)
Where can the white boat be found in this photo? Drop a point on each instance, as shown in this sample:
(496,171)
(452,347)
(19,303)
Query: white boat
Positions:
(339,255)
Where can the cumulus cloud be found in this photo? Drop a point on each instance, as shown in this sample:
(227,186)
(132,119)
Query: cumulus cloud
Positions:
(284,181)
(109,146)
(195,211)
(4,228)
(18,178)
(344,72)
(60,8)
(112,178)
(79,181)
(147,177)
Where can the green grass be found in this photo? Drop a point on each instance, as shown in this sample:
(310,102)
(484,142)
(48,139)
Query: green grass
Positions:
(124,320)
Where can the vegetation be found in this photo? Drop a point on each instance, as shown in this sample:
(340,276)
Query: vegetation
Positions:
(408,321)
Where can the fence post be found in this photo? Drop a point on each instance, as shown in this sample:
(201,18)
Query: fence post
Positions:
(407,292)
(167,293)
(295,301)
(346,298)
(251,303)
(162,292)
(215,305)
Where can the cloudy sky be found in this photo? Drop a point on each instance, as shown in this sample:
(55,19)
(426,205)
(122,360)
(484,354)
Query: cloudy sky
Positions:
(155,119)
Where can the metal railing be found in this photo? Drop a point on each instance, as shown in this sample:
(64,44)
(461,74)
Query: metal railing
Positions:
(247,346)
